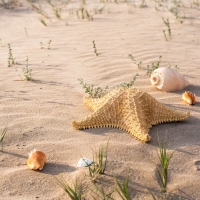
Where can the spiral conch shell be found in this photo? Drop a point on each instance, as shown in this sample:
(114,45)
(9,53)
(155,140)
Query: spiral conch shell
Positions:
(189,98)
(36,160)
(168,79)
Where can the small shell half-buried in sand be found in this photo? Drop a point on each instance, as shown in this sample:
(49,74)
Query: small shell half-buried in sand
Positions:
(168,79)
(36,160)
(84,162)
(189,98)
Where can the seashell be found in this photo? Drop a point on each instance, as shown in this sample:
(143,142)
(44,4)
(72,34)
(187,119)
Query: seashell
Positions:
(36,160)
(189,98)
(168,79)
(84,162)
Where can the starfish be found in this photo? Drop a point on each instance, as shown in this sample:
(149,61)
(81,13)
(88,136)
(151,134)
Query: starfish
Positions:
(129,109)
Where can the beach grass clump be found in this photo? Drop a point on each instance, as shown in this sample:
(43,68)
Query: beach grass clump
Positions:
(99,164)
(122,188)
(130,84)
(11,60)
(27,71)
(94,92)
(2,137)
(83,13)
(153,66)
(164,159)
(74,192)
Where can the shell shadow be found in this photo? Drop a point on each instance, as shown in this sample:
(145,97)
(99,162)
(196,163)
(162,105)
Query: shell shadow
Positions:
(55,168)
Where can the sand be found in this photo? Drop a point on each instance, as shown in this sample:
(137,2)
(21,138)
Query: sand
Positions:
(39,113)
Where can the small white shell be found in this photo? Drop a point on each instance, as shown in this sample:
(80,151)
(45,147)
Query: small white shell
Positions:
(168,79)
(84,162)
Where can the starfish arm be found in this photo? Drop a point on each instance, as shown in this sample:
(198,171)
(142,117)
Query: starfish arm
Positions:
(95,103)
(160,113)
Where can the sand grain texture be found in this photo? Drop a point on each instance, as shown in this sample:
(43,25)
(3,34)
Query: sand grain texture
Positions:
(39,112)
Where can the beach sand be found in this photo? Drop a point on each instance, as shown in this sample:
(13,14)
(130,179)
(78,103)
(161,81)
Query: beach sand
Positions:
(39,113)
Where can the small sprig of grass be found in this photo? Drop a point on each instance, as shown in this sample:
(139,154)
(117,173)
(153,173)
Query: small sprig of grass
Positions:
(153,66)
(57,12)
(92,91)
(49,43)
(176,66)
(164,158)
(99,163)
(2,137)
(165,35)
(11,60)
(166,22)
(122,188)
(130,84)
(133,59)
(41,19)
(95,49)
(177,15)
(74,193)
(27,71)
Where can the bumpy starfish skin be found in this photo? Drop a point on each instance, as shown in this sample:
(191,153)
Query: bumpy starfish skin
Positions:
(129,109)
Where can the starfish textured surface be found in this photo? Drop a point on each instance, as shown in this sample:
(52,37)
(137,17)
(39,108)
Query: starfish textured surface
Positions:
(129,109)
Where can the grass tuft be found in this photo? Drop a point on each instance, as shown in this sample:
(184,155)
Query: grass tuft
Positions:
(27,71)
(166,22)
(164,158)
(92,91)
(122,188)
(11,60)
(74,193)
(99,163)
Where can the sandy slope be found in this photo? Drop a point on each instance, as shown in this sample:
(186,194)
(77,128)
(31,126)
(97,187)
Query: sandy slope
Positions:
(39,112)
